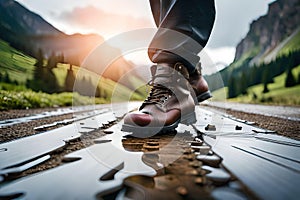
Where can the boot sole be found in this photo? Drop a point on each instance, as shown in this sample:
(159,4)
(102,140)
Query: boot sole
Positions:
(149,131)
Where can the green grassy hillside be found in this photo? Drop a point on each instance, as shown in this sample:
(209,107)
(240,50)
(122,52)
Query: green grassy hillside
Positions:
(273,66)
(18,66)
(278,93)
(291,45)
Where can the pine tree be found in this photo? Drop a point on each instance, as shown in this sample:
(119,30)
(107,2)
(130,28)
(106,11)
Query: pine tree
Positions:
(290,79)
(40,58)
(266,90)
(70,79)
(52,61)
(98,91)
(232,88)
(6,78)
(86,87)
(243,84)
(50,84)
(43,78)
(267,75)
(266,78)
(90,88)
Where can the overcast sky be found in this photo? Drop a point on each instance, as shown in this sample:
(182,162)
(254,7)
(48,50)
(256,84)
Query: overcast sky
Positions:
(110,18)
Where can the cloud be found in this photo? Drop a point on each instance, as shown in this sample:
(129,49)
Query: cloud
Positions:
(93,19)
(233,19)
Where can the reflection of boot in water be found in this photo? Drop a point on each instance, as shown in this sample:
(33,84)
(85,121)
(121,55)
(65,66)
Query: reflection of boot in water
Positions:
(143,187)
(132,146)
(150,147)
(152,160)
(140,145)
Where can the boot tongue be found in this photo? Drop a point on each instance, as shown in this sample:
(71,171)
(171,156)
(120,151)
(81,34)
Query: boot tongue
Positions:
(163,74)
(164,70)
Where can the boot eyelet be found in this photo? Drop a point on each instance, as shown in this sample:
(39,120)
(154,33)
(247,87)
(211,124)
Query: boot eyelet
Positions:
(162,100)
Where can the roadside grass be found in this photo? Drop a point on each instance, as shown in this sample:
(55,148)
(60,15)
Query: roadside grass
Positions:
(12,87)
(220,94)
(29,99)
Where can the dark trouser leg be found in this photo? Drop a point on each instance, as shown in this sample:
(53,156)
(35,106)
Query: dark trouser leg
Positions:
(184,27)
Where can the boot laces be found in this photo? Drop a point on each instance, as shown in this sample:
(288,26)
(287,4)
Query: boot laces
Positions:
(159,93)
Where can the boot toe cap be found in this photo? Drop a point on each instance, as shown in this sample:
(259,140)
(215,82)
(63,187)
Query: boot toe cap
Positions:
(138,118)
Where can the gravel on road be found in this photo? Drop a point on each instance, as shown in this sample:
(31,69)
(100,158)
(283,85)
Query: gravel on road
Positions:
(282,126)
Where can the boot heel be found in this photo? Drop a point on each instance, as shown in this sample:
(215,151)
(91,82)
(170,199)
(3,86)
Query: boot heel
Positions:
(204,96)
(189,119)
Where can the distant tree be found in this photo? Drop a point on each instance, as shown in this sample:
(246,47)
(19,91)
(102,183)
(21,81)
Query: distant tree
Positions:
(39,73)
(252,75)
(43,77)
(101,90)
(266,79)
(243,83)
(15,82)
(254,96)
(6,78)
(232,87)
(52,61)
(290,80)
(266,90)
(85,87)
(70,80)
(267,76)
(98,91)
(90,88)
(49,83)
(40,58)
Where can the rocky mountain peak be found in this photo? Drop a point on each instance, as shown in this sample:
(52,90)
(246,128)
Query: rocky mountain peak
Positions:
(265,33)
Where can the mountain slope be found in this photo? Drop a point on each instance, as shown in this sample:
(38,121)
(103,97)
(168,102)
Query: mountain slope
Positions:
(15,18)
(30,33)
(17,65)
(267,32)
(27,31)
(272,44)
(20,68)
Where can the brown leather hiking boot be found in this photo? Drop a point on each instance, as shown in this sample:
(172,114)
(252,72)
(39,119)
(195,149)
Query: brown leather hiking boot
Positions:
(169,102)
(199,85)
